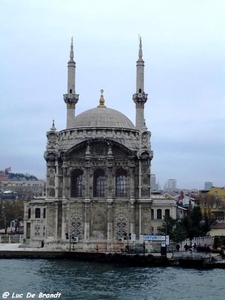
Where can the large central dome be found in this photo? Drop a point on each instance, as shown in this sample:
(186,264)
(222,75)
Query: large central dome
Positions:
(102,116)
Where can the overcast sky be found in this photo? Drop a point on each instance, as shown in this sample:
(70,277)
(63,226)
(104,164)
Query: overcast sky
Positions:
(184,53)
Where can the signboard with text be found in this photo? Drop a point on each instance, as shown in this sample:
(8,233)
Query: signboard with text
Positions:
(156,238)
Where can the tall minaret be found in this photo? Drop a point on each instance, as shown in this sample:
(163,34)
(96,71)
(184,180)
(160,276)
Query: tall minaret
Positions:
(140,97)
(71,98)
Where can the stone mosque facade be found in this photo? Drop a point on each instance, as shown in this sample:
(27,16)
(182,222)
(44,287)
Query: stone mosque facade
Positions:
(98,190)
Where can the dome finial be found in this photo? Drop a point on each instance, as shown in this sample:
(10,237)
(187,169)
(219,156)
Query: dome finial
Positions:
(101,100)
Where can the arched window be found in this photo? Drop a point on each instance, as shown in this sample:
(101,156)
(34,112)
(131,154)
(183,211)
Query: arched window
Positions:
(29,213)
(159,214)
(121,183)
(37,212)
(152,214)
(99,183)
(167,212)
(76,183)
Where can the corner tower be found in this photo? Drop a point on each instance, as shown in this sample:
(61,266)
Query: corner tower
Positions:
(71,98)
(140,97)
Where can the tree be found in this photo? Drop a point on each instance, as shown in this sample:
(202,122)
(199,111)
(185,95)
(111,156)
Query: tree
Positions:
(193,225)
(196,224)
(211,207)
(179,234)
(11,210)
(167,225)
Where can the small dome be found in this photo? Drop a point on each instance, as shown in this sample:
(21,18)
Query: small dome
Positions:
(102,117)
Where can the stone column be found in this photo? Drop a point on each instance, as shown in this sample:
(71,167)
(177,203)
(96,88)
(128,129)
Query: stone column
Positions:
(56,220)
(132,184)
(132,216)
(139,180)
(86,219)
(139,220)
(64,167)
(87,183)
(109,183)
(56,179)
(110,237)
(87,172)
(109,173)
(64,220)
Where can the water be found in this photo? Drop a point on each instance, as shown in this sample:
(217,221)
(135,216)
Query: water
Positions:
(83,281)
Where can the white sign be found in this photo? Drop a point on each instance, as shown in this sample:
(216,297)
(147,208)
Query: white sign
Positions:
(167,240)
(155,238)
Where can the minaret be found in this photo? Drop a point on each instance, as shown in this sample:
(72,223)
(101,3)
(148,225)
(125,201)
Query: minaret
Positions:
(140,97)
(71,98)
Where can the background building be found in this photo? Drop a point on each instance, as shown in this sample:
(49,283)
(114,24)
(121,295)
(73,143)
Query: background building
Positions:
(154,185)
(208,185)
(24,187)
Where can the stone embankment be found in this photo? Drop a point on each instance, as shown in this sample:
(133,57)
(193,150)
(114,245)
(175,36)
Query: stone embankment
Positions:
(141,260)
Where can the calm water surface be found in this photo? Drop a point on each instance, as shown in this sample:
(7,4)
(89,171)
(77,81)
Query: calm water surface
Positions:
(84,281)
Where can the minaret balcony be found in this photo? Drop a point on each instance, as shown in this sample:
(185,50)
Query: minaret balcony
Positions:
(140,98)
(70,98)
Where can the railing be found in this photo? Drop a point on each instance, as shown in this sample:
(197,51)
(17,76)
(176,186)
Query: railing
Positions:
(191,255)
(11,238)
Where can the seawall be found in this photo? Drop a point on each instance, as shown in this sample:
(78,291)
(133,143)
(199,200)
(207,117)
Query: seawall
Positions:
(123,259)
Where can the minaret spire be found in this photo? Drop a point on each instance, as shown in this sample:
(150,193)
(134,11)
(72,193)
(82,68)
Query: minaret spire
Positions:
(71,51)
(140,48)
(71,98)
(140,97)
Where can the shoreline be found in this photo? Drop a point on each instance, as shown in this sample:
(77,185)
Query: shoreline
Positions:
(12,251)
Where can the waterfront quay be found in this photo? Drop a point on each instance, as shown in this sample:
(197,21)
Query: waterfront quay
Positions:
(175,259)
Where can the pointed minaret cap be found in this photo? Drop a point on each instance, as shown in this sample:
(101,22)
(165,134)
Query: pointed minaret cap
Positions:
(140,53)
(71,50)
(102,100)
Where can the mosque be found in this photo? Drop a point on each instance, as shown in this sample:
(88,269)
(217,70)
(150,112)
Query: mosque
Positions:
(98,176)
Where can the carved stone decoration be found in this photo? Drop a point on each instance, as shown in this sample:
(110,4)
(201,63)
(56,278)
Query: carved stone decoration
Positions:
(98,225)
(71,99)
(121,225)
(145,138)
(145,192)
(50,155)
(76,225)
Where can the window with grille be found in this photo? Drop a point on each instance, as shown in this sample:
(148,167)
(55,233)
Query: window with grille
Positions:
(159,214)
(76,183)
(121,183)
(99,183)
(167,212)
(37,212)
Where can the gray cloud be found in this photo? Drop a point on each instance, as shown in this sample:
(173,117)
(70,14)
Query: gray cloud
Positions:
(183,46)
